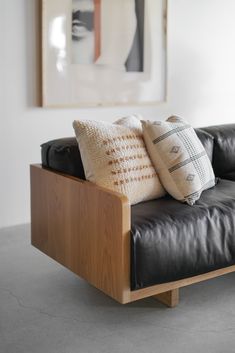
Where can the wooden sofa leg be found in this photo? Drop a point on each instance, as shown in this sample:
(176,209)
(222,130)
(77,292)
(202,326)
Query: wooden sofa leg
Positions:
(169,298)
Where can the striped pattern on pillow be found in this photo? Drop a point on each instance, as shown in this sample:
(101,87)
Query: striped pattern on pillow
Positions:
(179,158)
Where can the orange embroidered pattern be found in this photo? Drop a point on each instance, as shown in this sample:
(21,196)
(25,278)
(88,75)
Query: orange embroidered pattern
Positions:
(132,179)
(131,169)
(127,158)
(123,138)
(119,149)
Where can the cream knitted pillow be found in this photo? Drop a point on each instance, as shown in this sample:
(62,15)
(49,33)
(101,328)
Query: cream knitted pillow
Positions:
(114,156)
(179,158)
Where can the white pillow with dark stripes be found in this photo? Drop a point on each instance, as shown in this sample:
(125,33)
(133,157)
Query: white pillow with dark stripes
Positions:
(114,156)
(179,158)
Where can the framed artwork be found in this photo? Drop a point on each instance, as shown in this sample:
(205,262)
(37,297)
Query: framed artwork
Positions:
(103,52)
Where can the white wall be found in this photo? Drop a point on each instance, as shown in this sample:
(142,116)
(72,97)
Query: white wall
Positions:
(201,88)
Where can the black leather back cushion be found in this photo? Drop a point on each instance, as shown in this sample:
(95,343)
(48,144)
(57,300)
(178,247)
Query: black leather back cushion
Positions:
(63,154)
(224,149)
(207,140)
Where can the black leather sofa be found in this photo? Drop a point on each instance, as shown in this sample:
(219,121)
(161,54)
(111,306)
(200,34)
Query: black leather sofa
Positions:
(169,240)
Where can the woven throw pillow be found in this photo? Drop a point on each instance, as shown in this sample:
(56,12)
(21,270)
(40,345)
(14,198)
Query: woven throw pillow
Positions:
(179,158)
(114,156)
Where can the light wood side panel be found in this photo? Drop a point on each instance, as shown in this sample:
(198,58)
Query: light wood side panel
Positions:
(87,229)
(83,227)
(170,298)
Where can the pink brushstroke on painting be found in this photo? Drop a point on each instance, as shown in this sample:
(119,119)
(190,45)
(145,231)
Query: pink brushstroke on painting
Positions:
(117,32)
(108,33)
(97,25)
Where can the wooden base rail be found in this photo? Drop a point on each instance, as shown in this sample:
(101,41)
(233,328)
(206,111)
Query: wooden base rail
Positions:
(86,228)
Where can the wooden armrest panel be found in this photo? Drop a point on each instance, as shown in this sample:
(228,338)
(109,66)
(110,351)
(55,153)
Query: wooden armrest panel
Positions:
(84,227)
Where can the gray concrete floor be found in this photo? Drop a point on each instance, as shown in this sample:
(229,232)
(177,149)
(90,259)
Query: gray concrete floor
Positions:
(44,308)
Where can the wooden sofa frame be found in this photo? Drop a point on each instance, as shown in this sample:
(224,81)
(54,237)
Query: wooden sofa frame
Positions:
(86,228)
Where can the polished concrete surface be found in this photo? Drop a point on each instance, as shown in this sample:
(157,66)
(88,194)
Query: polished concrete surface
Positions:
(44,308)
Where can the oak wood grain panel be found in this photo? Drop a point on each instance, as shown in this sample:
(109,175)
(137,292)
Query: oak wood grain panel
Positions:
(83,227)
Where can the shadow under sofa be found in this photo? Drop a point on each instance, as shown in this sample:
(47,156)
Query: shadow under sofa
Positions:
(131,252)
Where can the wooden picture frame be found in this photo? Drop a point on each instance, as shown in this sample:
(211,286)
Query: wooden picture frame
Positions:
(103,52)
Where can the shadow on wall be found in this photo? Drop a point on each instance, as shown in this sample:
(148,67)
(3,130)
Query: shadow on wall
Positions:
(33,52)
(190,79)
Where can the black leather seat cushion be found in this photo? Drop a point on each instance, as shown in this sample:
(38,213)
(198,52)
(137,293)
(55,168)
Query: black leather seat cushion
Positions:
(171,241)
(63,155)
